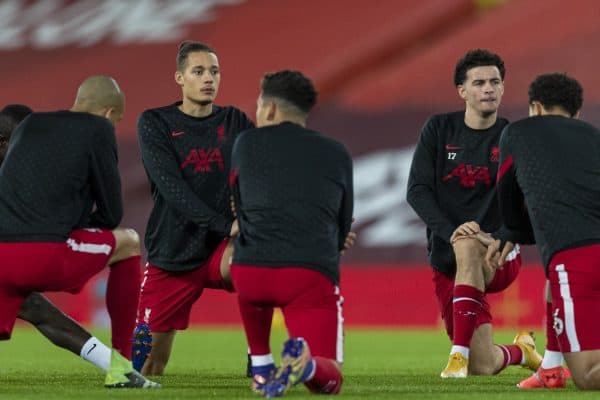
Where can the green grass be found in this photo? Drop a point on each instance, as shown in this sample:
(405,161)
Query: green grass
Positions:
(381,364)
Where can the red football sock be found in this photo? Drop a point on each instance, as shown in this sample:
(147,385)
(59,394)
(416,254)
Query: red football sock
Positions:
(327,377)
(551,339)
(512,355)
(466,307)
(122,296)
(257,325)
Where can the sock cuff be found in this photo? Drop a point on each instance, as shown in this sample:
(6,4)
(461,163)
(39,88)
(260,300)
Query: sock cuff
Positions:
(262,360)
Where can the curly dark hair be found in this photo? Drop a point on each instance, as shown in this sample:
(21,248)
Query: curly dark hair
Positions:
(557,90)
(477,58)
(291,86)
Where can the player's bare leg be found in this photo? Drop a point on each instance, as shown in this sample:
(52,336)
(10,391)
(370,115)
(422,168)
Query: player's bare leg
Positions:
(226,263)
(486,358)
(470,266)
(59,328)
(162,344)
(472,348)
(64,332)
(585,368)
(127,244)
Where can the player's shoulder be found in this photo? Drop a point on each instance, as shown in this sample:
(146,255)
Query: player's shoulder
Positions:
(160,111)
(453,117)
(228,109)
(530,125)
(82,122)
(444,122)
(238,117)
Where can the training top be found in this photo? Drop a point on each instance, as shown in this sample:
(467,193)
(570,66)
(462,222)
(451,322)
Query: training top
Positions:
(60,174)
(294,198)
(452,181)
(551,165)
(187,160)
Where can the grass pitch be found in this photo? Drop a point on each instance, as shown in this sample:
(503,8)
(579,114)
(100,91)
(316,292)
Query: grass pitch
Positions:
(210,363)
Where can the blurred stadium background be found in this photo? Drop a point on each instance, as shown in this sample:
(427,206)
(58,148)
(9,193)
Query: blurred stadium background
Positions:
(382,68)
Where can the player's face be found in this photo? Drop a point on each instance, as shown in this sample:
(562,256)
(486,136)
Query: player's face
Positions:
(482,90)
(200,80)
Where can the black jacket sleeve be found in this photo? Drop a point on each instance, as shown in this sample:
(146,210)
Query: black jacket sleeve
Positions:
(517,226)
(105,179)
(421,191)
(347,206)
(162,167)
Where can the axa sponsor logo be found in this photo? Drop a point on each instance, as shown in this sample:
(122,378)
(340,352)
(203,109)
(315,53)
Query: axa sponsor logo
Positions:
(55,23)
(468,175)
(203,160)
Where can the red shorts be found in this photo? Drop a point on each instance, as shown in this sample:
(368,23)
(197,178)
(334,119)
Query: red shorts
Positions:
(166,297)
(575,283)
(444,290)
(54,266)
(311,304)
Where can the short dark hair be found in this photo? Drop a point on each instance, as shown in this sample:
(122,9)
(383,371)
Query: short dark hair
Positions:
(557,89)
(187,47)
(10,116)
(17,112)
(477,58)
(291,86)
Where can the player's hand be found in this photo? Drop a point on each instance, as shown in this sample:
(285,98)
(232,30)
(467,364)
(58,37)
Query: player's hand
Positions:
(348,242)
(485,238)
(496,257)
(235,229)
(232,206)
(466,229)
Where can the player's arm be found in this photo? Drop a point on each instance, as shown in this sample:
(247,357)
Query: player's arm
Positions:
(516,224)
(347,206)
(234,186)
(162,167)
(421,191)
(106,181)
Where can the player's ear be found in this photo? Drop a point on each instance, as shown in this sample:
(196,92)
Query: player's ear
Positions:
(536,109)
(577,114)
(179,77)
(462,92)
(271,110)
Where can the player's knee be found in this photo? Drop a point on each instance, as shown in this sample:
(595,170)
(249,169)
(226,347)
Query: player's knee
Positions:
(482,368)
(588,381)
(469,252)
(127,242)
(34,308)
(467,246)
(331,387)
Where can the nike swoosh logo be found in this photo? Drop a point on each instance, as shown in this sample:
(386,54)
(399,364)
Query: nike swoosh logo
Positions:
(90,350)
(448,147)
(177,133)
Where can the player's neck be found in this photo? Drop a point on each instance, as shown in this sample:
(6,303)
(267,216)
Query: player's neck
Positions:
(476,120)
(195,109)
